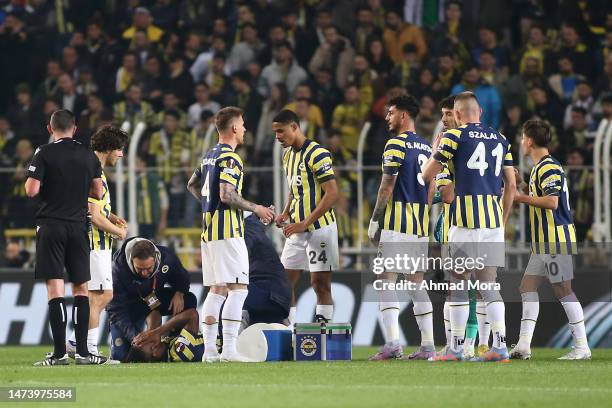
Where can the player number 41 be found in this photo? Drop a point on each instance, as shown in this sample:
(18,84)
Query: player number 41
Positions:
(478,159)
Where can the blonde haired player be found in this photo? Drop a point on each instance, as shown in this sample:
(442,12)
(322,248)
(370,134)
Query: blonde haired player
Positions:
(217,183)
(481,162)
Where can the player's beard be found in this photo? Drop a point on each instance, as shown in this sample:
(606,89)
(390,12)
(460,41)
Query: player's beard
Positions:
(393,127)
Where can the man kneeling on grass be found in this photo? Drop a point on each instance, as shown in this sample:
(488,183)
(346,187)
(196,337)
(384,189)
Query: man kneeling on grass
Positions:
(149,282)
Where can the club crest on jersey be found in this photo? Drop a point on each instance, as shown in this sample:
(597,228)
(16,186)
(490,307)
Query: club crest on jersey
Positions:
(308,346)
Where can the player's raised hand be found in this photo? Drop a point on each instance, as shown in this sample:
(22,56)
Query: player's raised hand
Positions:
(436,143)
(265,214)
(281,220)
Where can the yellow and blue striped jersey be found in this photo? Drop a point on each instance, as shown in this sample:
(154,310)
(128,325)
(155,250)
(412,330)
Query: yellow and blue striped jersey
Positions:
(98,239)
(186,347)
(220,165)
(408,210)
(444,178)
(306,169)
(476,155)
(552,231)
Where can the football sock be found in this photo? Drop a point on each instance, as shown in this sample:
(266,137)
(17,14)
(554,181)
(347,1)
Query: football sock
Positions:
(211,308)
(496,311)
(390,321)
(575,317)
(459,312)
(80,318)
(57,320)
(531,309)
(92,340)
(472,323)
(232,317)
(423,314)
(447,327)
(292,314)
(327,311)
(484,328)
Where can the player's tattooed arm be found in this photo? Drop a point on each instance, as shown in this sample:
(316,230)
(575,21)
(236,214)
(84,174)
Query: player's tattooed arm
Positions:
(384,194)
(192,186)
(230,196)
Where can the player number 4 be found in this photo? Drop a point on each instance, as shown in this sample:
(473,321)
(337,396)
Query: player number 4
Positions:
(205,188)
(478,159)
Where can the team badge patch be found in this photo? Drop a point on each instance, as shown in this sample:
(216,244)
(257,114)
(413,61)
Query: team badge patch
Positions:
(308,346)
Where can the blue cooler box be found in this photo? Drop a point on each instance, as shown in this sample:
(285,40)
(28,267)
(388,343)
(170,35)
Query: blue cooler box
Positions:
(322,341)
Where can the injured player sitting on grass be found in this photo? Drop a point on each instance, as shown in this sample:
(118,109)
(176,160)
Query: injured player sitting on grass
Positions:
(179,339)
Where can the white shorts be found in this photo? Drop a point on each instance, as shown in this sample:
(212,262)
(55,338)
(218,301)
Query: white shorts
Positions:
(486,246)
(316,251)
(101,269)
(225,261)
(557,268)
(393,243)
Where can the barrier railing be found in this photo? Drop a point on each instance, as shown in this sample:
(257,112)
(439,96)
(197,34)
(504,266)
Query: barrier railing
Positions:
(602,226)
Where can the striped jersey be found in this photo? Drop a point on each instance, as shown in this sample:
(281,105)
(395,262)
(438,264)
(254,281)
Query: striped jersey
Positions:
(444,178)
(220,165)
(476,155)
(306,169)
(98,239)
(408,210)
(552,231)
(185,347)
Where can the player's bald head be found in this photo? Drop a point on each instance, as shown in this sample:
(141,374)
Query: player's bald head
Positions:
(466,102)
(466,108)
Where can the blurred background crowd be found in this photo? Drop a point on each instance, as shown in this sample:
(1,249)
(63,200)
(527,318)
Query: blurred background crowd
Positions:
(173,63)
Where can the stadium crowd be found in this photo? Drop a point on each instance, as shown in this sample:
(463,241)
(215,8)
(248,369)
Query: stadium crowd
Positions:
(173,64)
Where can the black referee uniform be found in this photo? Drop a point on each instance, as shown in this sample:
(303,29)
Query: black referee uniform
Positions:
(65,169)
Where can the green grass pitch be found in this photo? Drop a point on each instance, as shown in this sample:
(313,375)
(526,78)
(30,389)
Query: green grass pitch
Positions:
(541,382)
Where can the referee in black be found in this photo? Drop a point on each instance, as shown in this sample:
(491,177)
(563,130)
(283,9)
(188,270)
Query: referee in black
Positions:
(63,174)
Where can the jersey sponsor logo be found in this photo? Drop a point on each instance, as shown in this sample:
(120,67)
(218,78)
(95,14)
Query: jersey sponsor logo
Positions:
(209,162)
(165,269)
(32,168)
(481,135)
(229,170)
(308,346)
(302,166)
(387,159)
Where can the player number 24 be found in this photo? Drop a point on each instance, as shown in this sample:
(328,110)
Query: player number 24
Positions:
(313,257)
(478,159)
